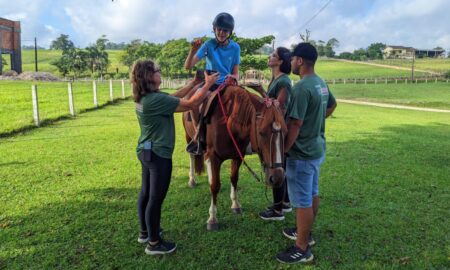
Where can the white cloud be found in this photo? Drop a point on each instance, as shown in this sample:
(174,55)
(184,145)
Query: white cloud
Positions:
(418,23)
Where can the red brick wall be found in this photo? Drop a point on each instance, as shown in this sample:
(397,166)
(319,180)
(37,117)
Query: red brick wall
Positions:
(10,39)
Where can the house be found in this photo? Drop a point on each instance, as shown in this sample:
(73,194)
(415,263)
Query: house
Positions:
(402,52)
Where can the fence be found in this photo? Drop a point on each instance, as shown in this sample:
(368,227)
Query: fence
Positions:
(50,101)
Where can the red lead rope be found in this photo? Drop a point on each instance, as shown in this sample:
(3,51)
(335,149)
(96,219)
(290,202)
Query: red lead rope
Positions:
(232,81)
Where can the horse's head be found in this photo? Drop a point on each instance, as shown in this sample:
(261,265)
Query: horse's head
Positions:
(268,139)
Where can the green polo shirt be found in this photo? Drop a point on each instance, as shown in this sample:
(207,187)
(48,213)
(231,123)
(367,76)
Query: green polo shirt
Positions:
(155,115)
(309,103)
(279,83)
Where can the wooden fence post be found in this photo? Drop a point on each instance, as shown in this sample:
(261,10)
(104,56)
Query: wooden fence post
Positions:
(94,89)
(355,81)
(70,94)
(123,89)
(344,81)
(365,81)
(426,80)
(435,80)
(385,82)
(34,95)
(334,81)
(111,97)
(375,80)
(395,81)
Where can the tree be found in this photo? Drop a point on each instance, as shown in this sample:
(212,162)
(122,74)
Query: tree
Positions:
(139,50)
(359,55)
(375,50)
(250,45)
(253,62)
(172,56)
(97,56)
(79,62)
(346,55)
(62,43)
(330,46)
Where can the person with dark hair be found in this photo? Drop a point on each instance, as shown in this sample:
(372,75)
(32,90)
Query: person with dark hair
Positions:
(223,56)
(311,103)
(280,89)
(155,110)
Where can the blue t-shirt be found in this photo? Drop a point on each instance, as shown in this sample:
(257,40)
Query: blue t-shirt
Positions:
(220,58)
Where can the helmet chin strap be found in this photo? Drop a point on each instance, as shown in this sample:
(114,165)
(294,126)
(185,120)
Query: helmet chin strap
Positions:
(221,43)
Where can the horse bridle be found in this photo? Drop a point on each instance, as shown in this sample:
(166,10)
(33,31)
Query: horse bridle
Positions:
(276,133)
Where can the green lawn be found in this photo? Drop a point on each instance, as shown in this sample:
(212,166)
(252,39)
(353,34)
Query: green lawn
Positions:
(331,69)
(69,195)
(431,95)
(432,64)
(16,109)
(45,57)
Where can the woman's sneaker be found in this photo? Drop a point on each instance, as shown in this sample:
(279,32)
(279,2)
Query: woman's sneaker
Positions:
(271,214)
(286,207)
(295,255)
(144,238)
(291,233)
(162,247)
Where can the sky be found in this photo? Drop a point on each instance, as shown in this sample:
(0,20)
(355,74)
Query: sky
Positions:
(423,24)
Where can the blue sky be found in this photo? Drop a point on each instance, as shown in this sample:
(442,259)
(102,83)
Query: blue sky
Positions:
(355,23)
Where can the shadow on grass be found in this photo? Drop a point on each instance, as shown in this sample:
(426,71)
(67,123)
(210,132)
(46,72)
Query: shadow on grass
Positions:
(50,121)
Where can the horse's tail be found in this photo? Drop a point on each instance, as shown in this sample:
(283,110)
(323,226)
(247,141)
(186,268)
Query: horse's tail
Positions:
(199,164)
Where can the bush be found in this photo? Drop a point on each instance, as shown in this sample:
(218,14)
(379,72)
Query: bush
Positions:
(447,74)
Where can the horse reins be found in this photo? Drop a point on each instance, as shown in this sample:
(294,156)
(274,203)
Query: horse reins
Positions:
(227,82)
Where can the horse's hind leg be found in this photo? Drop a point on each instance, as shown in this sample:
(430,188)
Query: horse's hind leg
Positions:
(235,205)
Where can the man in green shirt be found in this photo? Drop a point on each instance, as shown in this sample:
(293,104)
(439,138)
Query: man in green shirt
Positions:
(311,103)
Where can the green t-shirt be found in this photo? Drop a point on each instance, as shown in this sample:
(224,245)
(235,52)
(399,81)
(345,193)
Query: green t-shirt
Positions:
(330,103)
(155,115)
(276,85)
(309,103)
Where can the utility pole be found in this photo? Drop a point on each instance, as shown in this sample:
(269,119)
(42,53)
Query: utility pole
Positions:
(35,56)
(412,66)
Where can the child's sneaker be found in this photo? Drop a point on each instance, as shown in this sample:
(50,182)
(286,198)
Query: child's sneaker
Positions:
(271,214)
(291,233)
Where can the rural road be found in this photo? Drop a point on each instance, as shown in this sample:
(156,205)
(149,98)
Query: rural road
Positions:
(386,105)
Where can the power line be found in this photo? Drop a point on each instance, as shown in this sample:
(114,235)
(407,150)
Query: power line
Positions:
(315,15)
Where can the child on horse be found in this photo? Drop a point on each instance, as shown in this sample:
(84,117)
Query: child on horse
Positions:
(222,56)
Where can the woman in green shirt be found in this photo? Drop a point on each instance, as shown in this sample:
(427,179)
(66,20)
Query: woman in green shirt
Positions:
(279,89)
(154,110)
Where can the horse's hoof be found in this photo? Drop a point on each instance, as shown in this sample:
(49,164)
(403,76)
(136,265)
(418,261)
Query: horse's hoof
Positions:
(237,210)
(212,226)
(192,184)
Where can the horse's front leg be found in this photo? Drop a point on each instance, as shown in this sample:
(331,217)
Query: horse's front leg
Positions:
(235,205)
(192,183)
(213,168)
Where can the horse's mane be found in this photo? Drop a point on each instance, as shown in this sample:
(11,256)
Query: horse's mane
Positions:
(242,110)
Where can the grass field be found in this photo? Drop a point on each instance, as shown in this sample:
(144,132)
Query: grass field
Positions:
(436,65)
(45,57)
(431,95)
(69,195)
(16,109)
(332,69)
(327,68)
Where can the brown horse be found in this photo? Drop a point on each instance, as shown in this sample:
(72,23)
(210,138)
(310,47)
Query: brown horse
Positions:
(250,119)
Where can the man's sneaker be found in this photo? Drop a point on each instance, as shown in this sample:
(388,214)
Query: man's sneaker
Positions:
(295,255)
(144,238)
(271,214)
(286,208)
(291,233)
(162,247)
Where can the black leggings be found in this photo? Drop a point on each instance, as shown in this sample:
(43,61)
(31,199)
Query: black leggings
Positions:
(156,176)
(280,195)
